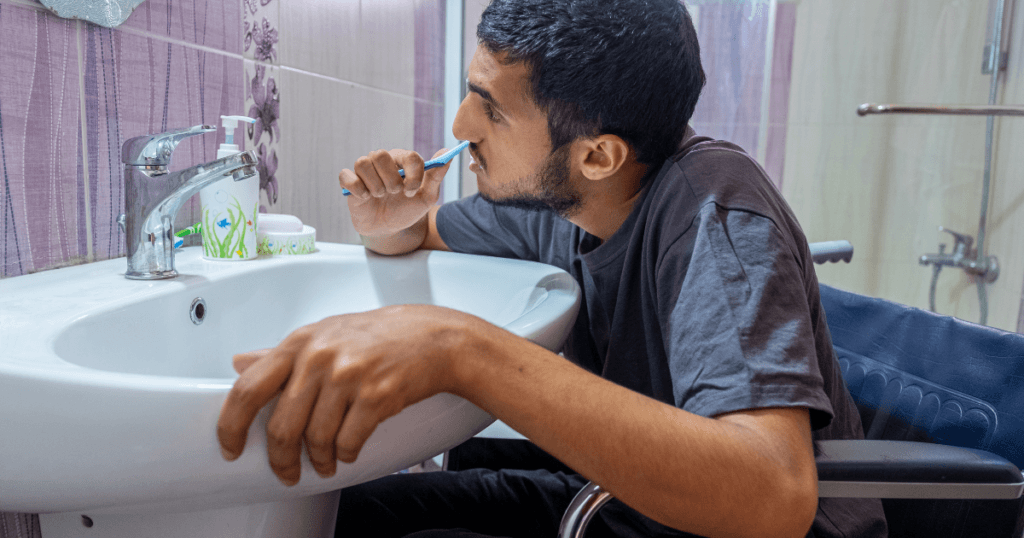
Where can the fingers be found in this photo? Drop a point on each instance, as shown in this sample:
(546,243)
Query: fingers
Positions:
(257,385)
(360,421)
(349,180)
(376,174)
(287,424)
(373,403)
(323,427)
(243,361)
(432,189)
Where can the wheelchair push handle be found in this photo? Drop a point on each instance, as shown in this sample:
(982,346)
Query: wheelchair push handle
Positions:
(831,251)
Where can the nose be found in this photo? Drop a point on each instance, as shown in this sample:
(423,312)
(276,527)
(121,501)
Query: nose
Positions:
(462,126)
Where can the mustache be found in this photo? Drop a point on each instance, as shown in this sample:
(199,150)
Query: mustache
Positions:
(475,152)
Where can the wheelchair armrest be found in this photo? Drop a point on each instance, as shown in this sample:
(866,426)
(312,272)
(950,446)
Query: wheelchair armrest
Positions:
(913,470)
(831,251)
(873,470)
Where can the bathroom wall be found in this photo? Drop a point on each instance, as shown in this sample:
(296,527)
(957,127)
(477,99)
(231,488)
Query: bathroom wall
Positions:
(71,92)
(887,182)
(329,82)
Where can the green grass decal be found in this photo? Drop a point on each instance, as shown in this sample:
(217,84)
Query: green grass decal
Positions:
(232,245)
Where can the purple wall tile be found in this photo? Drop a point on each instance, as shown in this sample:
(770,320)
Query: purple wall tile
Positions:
(136,86)
(732,47)
(428,124)
(19,525)
(778,107)
(40,210)
(211,23)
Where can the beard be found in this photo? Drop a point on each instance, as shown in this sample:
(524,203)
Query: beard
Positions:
(555,191)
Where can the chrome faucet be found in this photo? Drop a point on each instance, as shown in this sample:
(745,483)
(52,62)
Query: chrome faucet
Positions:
(964,257)
(984,268)
(153,196)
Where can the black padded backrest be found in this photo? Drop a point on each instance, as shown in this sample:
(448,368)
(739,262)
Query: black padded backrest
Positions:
(899,406)
(919,376)
(948,380)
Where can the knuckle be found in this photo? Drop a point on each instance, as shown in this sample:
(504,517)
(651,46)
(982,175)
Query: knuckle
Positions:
(344,375)
(345,452)
(245,393)
(281,435)
(319,442)
(415,159)
(228,431)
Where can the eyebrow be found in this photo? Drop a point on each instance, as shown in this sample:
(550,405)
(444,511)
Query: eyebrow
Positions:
(486,95)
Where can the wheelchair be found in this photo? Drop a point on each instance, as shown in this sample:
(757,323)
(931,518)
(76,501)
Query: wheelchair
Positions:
(942,405)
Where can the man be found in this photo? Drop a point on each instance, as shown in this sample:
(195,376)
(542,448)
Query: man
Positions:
(700,368)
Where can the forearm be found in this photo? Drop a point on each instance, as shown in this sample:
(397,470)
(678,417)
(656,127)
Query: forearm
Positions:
(707,476)
(400,242)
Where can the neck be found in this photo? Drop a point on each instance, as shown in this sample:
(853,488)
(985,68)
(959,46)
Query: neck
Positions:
(608,202)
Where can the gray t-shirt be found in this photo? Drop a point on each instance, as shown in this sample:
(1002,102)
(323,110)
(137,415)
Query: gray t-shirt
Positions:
(705,298)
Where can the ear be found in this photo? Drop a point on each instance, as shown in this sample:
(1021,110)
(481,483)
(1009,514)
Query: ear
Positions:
(602,156)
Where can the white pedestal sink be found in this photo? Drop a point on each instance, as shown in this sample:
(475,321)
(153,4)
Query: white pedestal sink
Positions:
(110,392)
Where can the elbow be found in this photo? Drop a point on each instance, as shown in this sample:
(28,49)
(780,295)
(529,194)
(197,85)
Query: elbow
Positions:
(792,513)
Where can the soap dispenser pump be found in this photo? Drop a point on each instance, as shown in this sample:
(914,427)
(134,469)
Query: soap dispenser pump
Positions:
(230,123)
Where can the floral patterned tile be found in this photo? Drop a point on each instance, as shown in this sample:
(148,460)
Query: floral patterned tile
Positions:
(262,102)
(260,24)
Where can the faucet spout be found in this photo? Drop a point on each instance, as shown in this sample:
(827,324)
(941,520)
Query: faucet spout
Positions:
(153,197)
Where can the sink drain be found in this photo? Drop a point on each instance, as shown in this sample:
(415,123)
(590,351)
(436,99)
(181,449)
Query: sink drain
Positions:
(198,310)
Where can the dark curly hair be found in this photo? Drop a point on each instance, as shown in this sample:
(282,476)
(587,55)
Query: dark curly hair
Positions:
(625,67)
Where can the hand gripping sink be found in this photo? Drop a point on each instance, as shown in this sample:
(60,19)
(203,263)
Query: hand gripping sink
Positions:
(110,389)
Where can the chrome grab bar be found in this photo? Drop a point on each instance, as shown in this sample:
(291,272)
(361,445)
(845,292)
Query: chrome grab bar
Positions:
(953,110)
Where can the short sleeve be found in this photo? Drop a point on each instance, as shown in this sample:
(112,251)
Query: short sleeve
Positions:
(738,326)
(473,225)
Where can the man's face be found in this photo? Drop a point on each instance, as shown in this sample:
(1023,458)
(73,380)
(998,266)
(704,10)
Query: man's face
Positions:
(509,141)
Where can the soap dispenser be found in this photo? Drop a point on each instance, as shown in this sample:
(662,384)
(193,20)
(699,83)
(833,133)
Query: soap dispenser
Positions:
(228,208)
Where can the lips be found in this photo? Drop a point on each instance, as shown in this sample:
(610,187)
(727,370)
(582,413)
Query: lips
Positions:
(475,162)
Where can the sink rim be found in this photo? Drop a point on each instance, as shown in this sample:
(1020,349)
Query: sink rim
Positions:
(37,358)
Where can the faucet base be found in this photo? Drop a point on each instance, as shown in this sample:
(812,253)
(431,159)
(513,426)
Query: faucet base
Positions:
(158,275)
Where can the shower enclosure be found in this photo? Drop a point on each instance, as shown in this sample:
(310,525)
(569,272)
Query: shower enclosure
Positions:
(785,82)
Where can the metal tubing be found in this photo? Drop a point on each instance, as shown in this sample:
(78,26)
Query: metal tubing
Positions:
(993,94)
(581,510)
(951,110)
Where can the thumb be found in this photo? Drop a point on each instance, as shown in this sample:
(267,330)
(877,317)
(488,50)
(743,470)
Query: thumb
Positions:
(243,361)
(434,177)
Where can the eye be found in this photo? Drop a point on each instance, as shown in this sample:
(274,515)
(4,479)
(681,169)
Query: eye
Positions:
(489,112)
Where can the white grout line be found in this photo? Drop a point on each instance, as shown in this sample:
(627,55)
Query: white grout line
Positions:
(183,43)
(90,255)
(766,86)
(25,3)
(453,85)
(352,83)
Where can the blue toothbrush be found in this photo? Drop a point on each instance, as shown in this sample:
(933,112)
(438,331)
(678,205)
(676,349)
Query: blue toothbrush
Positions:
(432,163)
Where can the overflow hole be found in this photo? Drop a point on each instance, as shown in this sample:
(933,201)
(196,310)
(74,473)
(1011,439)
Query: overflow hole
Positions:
(198,310)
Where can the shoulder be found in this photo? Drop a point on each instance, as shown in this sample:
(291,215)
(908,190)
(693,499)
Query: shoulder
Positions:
(715,190)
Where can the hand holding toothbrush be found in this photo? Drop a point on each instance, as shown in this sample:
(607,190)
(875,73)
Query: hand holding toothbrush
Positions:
(391,191)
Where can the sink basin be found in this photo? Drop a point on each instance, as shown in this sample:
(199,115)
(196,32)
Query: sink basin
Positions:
(111,392)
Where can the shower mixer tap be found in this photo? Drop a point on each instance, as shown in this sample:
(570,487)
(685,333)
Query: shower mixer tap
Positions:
(964,257)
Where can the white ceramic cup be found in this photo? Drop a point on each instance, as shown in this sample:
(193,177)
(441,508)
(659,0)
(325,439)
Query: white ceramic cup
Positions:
(229,210)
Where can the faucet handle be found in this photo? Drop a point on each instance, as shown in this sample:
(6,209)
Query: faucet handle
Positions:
(156,150)
(961,239)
